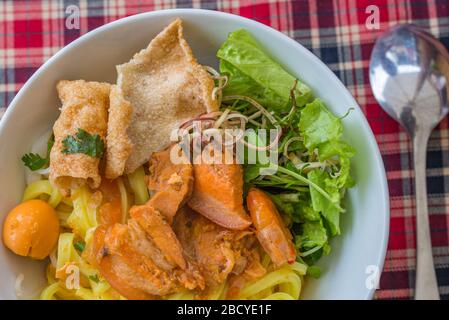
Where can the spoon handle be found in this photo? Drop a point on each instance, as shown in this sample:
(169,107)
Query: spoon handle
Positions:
(426,281)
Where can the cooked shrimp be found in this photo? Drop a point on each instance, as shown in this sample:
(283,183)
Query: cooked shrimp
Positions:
(273,235)
(218,194)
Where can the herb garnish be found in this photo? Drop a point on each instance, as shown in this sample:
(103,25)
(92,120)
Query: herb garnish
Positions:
(79,246)
(34,161)
(84,142)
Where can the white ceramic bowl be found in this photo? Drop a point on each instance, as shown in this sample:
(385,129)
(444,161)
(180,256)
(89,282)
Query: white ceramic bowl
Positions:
(355,255)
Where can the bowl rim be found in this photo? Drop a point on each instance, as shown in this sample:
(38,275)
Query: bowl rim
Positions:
(378,161)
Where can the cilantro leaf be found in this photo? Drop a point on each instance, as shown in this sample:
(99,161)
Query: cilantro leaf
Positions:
(84,142)
(34,161)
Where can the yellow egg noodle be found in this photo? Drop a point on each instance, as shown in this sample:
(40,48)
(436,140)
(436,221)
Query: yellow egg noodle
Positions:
(78,219)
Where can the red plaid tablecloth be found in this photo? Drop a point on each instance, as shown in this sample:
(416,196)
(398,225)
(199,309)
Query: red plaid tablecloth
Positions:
(335,31)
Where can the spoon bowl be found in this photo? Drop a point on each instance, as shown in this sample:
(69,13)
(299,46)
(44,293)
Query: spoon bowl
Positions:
(409,72)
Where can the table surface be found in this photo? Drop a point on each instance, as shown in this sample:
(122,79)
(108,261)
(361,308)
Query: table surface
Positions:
(334,30)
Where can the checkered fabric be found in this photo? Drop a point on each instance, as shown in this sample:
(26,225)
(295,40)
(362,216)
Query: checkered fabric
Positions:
(335,31)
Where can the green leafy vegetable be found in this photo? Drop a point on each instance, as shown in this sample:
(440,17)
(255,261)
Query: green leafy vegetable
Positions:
(317,189)
(240,83)
(84,142)
(80,246)
(285,207)
(95,278)
(295,145)
(253,73)
(322,130)
(312,258)
(343,178)
(306,212)
(333,148)
(319,125)
(34,161)
(323,205)
(314,271)
(313,234)
(289,197)
(251,172)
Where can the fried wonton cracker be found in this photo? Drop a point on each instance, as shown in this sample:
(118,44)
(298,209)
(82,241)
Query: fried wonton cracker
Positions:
(165,87)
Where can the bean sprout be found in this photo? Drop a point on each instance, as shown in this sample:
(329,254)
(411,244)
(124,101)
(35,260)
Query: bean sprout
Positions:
(255,104)
(222,82)
(222,118)
(18,285)
(287,144)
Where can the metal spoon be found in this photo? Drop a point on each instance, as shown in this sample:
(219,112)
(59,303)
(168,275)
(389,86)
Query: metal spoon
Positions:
(409,76)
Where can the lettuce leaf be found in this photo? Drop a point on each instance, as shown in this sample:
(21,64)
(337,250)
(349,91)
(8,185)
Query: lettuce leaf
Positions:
(241,84)
(343,178)
(285,207)
(318,125)
(313,234)
(330,213)
(322,130)
(333,148)
(253,73)
(307,213)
